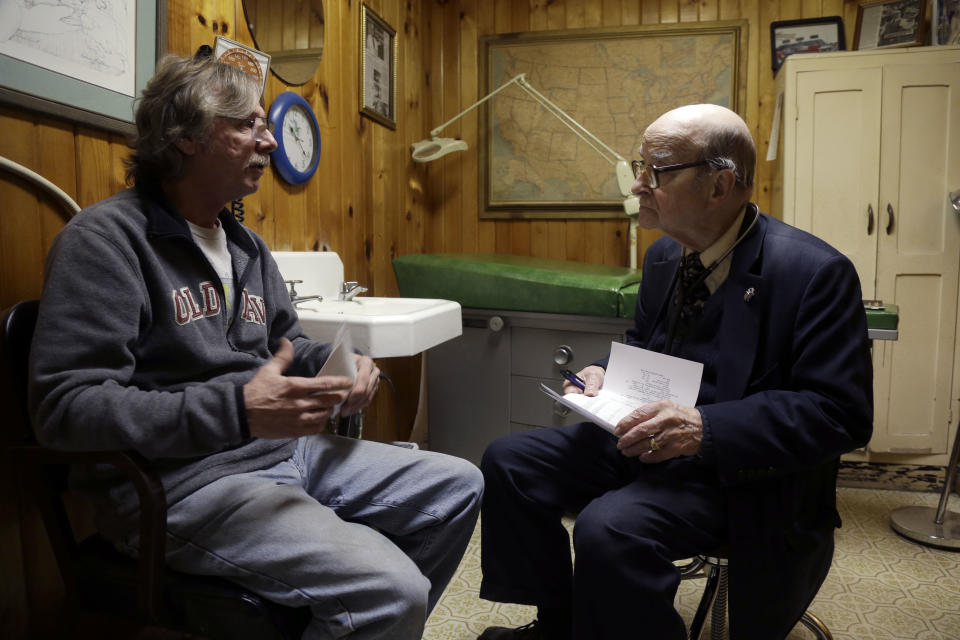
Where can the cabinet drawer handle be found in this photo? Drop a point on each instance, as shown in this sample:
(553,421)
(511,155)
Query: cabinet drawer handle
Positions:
(869,219)
(889,218)
(563,355)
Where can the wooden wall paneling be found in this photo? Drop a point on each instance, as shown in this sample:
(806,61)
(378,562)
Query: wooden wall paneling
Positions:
(451,221)
(831,8)
(630,12)
(766,92)
(729,9)
(345,19)
(669,11)
(325,220)
(689,10)
(430,174)
(57,163)
(388,159)
(592,14)
(416,126)
(810,8)
(709,10)
(20,238)
(650,11)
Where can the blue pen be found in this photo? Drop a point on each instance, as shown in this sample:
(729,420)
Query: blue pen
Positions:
(576,380)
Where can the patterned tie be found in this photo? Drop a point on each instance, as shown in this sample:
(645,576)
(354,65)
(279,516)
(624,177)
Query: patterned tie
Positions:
(692,294)
(688,300)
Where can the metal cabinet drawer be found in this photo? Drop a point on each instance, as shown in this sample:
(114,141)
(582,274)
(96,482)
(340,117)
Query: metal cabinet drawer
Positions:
(542,353)
(529,405)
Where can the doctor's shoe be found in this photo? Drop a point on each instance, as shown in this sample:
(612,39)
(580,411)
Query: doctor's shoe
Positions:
(532,631)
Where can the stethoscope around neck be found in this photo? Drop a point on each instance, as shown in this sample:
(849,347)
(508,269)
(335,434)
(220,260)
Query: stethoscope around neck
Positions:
(672,328)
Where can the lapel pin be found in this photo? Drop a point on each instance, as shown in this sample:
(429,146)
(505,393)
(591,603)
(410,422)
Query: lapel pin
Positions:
(748,294)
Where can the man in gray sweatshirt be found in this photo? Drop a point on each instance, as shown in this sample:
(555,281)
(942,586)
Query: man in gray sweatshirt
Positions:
(165,328)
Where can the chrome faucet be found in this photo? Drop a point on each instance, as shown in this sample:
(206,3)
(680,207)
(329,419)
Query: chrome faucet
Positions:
(297,299)
(348,290)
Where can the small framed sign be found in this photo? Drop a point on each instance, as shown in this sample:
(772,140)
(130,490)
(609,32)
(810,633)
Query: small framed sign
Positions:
(810,35)
(890,23)
(378,68)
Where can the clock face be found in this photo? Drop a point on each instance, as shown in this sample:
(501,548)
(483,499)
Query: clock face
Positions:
(299,139)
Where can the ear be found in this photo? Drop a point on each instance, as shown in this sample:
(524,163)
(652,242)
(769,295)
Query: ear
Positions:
(186,146)
(724,184)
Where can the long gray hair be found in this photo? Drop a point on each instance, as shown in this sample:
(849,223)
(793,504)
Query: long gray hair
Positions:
(180,102)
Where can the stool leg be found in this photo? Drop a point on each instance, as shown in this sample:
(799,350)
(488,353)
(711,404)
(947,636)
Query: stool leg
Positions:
(718,619)
(709,594)
(815,625)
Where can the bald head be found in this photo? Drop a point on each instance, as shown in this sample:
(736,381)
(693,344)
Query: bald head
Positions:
(710,132)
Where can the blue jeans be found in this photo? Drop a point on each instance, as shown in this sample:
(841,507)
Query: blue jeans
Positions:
(366,534)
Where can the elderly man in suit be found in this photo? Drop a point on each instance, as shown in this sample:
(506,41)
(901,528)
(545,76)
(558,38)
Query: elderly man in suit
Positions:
(775,316)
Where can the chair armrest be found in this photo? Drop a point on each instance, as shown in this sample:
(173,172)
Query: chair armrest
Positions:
(153,510)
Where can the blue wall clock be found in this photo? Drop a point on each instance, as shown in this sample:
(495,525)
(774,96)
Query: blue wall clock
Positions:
(298,138)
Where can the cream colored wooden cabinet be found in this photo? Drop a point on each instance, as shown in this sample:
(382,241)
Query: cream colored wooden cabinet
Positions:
(870,149)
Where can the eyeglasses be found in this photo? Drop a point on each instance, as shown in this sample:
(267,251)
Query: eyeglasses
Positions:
(651,172)
(251,125)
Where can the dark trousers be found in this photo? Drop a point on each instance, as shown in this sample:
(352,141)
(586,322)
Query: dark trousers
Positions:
(633,521)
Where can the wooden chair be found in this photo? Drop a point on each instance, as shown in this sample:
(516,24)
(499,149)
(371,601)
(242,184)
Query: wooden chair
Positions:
(97,577)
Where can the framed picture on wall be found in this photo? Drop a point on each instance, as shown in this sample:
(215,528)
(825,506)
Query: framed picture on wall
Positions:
(810,35)
(883,24)
(945,22)
(81,65)
(378,68)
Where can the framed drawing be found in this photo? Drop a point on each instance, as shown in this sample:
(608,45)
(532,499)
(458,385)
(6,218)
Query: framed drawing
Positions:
(945,23)
(80,63)
(810,35)
(890,23)
(614,82)
(378,68)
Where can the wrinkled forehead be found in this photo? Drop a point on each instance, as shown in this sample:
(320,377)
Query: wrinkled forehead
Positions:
(658,144)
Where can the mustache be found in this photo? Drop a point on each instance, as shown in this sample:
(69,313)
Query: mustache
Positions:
(259,160)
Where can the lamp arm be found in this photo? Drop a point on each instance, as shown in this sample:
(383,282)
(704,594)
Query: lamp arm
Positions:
(515,79)
(610,155)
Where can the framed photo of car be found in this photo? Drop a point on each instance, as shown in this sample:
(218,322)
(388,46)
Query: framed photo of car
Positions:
(883,24)
(810,35)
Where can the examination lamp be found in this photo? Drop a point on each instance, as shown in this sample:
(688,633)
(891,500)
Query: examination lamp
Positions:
(430,150)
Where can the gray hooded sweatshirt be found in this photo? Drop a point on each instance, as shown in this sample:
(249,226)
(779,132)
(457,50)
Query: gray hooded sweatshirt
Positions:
(134,349)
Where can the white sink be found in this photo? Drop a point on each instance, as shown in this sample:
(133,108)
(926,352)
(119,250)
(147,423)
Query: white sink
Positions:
(384,327)
(379,327)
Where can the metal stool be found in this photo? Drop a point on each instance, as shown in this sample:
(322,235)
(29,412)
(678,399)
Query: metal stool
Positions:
(715,598)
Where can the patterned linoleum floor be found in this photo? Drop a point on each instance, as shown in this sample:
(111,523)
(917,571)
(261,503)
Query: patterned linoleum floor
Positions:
(881,586)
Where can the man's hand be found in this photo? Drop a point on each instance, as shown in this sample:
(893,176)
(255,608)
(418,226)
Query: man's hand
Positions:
(289,407)
(364,387)
(592,377)
(659,431)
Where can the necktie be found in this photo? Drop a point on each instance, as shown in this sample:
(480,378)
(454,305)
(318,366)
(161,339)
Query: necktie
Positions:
(693,294)
(688,299)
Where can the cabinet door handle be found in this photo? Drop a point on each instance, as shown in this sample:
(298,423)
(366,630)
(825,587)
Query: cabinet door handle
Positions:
(889,218)
(869,219)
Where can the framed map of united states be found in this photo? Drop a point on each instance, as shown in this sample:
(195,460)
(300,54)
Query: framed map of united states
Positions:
(614,82)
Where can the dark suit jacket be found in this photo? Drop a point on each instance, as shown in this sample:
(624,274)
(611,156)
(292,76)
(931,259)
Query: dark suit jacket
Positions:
(794,391)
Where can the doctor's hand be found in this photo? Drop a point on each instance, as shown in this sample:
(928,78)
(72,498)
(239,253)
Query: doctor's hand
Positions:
(364,387)
(592,377)
(280,406)
(659,431)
